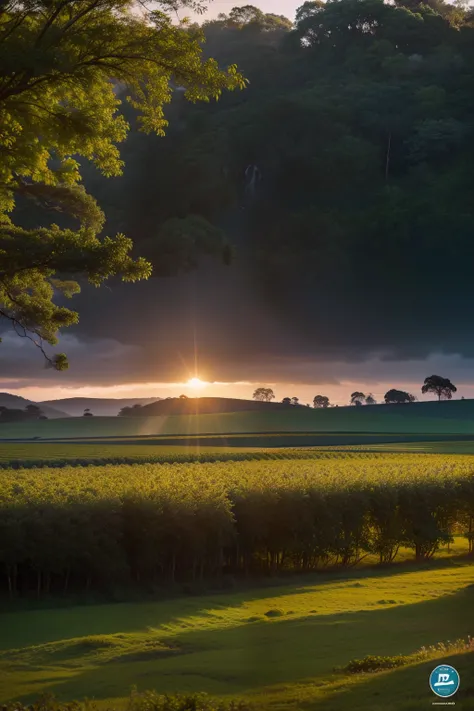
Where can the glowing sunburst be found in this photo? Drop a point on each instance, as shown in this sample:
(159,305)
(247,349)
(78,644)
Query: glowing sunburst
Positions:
(196,383)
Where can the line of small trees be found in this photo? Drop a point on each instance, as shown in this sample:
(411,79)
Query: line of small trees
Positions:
(30,412)
(443,388)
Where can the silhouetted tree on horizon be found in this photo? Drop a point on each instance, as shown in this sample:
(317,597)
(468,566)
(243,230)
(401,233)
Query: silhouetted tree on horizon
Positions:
(442,387)
(398,397)
(263,394)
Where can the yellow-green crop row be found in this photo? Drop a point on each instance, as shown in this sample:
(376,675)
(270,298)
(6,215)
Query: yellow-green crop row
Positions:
(96,526)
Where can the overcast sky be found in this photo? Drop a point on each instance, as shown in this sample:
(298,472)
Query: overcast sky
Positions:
(277,7)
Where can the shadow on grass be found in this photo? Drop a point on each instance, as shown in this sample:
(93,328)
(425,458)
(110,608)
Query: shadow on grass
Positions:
(244,590)
(270,587)
(254,657)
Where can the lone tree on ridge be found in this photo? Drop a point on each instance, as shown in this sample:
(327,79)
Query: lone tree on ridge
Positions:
(320,401)
(264,394)
(442,387)
(357,398)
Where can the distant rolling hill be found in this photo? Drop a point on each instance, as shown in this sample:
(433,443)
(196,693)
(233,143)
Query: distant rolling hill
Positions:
(105,407)
(210,405)
(15,402)
(413,420)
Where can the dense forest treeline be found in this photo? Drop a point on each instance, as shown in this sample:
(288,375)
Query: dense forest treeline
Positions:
(100,527)
(346,164)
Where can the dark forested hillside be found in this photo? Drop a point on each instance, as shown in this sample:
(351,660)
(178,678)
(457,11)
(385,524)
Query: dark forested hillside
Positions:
(343,170)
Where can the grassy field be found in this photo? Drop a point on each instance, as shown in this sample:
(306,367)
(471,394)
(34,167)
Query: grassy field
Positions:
(456,417)
(275,645)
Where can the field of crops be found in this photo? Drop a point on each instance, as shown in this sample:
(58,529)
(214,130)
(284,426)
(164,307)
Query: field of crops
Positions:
(55,454)
(153,450)
(441,446)
(150,523)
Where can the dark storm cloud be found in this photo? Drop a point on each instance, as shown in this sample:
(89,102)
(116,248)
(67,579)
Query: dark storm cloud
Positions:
(22,364)
(223,320)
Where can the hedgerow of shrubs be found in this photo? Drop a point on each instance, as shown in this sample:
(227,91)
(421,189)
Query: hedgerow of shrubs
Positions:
(375,663)
(152,525)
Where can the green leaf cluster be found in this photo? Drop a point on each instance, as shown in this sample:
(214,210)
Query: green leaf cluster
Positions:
(66,68)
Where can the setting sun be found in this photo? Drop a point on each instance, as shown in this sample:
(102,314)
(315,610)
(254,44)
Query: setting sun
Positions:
(196,383)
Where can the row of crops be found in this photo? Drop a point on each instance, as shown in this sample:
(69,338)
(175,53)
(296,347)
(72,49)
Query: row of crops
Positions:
(93,527)
(151,455)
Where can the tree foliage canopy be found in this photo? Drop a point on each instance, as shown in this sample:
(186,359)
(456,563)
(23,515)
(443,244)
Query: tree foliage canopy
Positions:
(264,394)
(398,397)
(442,387)
(357,398)
(321,401)
(66,67)
(30,412)
(359,119)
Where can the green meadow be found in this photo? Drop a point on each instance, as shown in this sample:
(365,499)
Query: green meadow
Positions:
(276,645)
(426,418)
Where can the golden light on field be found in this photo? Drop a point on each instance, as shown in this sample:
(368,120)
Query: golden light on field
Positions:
(196,383)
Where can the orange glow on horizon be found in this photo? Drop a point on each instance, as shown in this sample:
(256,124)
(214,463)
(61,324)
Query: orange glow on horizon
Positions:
(196,384)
